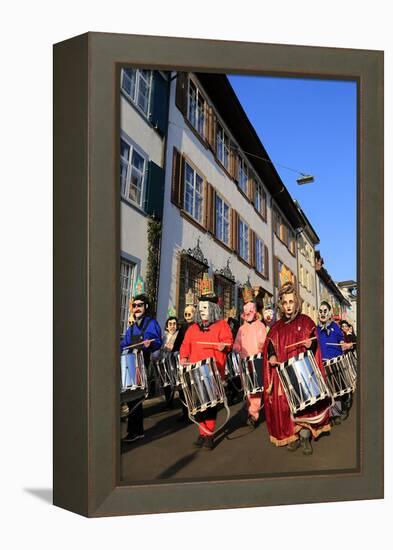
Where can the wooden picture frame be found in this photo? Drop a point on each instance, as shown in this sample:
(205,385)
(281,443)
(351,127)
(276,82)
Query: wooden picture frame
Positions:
(86,253)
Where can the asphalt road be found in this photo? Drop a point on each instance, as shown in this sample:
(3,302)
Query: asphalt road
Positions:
(167,453)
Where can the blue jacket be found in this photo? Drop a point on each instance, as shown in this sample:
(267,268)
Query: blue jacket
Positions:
(331,334)
(148,329)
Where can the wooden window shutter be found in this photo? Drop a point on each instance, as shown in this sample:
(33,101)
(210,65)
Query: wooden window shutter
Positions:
(209,198)
(251,189)
(252,256)
(266,257)
(275,269)
(235,230)
(177,179)
(181,92)
(211,127)
(212,224)
(264,204)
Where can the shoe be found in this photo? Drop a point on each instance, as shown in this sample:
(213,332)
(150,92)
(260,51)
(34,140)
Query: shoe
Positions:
(345,415)
(208,443)
(336,420)
(199,441)
(306,444)
(252,422)
(129,438)
(293,446)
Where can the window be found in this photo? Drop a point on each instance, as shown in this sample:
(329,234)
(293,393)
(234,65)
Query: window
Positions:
(132,173)
(196,108)
(243,240)
(193,193)
(222,146)
(301,275)
(242,175)
(291,242)
(191,273)
(223,289)
(136,85)
(260,260)
(260,199)
(282,274)
(222,220)
(127,270)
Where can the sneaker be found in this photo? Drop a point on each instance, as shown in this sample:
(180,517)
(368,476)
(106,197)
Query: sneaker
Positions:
(199,441)
(293,446)
(209,443)
(306,444)
(129,438)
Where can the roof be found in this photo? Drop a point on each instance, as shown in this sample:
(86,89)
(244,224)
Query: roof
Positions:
(307,225)
(228,106)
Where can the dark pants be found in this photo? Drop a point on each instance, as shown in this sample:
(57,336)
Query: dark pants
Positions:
(135,421)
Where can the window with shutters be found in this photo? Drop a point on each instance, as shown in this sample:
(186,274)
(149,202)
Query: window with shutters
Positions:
(222,146)
(132,172)
(282,274)
(196,108)
(224,290)
(244,248)
(260,199)
(222,220)
(127,272)
(136,86)
(242,175)
(260,253)
(190,276)
(193,193)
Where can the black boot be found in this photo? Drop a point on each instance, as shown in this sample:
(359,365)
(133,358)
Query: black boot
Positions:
(293,446)
(199,441)
(306,444)
(209,443)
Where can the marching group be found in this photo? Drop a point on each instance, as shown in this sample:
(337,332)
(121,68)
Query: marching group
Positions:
(204,335)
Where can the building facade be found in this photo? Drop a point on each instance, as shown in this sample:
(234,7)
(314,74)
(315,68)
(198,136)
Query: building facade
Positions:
(144,97)
(349,290)
(328,290)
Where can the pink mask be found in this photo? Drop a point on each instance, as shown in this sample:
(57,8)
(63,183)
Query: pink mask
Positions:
(250,311)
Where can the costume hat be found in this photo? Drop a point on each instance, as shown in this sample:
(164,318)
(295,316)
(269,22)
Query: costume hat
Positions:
(206,290)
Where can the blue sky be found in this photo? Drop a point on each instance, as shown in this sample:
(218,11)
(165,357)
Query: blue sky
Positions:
(310,125)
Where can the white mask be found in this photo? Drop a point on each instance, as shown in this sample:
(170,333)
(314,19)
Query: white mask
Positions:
(204,310)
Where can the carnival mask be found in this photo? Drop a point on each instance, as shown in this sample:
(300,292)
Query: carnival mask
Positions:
(268,315)
(204,310)
(138,309)
(171,326)
(324,314)
(189,314)
(249,312)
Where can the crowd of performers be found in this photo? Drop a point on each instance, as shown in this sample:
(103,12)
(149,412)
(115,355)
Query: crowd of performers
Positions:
(204,334)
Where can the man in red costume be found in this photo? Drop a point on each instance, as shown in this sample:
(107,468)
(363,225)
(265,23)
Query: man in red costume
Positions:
(217,340)
(293,327)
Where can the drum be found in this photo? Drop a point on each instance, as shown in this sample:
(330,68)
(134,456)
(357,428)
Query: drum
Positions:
(168,370)
(232,365)
(252,374)
(302,382)
(132,371)
(352,366)
(339,378)
(202,385)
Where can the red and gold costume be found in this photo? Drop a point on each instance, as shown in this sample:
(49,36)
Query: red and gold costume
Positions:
(282,428)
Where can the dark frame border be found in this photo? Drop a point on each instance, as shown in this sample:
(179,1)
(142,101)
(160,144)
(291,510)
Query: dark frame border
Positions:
(86,248)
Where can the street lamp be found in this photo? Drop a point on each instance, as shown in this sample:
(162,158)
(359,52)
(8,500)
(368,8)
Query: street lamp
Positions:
(306,178)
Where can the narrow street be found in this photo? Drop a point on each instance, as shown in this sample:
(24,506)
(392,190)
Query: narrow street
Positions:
(167,451)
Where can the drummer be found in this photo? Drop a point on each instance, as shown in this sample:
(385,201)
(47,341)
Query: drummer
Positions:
(171,331)
(147,332)
(331,340)
(250,340)
(293,328)
(209,336)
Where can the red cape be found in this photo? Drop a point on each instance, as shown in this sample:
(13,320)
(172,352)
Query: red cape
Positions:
(281,426)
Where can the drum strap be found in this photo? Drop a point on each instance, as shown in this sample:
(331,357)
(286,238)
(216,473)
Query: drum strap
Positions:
(313,419)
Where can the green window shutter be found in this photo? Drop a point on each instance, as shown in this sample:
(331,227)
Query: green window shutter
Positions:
(160,103)
(154,202)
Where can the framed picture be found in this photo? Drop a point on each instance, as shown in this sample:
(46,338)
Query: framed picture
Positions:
(205,219)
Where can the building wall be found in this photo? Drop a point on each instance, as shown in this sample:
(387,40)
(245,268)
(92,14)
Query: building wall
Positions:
(180,234)
(306,260)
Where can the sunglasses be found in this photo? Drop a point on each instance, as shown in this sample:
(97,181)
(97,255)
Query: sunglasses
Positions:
(137,304)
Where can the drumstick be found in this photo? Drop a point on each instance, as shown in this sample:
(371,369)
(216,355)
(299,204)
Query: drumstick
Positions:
(334,344)
(140,343)
(215,343)
(301,342)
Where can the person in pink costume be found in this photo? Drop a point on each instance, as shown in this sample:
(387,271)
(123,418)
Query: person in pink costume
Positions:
(250,340)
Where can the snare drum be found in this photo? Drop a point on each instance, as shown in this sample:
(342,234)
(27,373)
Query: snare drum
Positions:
(132,371)
(252,374)
(232,365)
(302,382)
(168,370)
(352,366)
(339,378)
(202,385)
